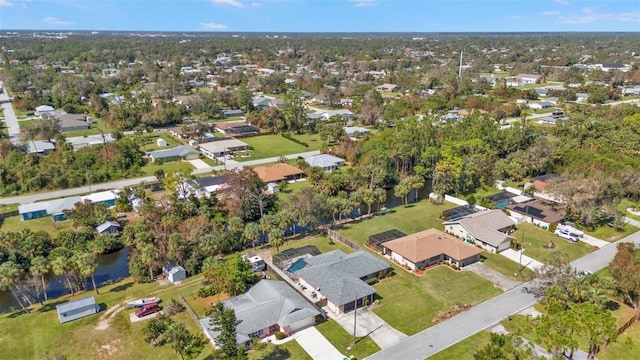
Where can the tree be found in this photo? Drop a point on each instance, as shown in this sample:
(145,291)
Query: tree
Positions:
(251,233)
(557,272)
(232,276)
(402,190)
(223,321)
(178,337)
(625,270)
(40,267)
(505,347)
(10,276)
(87,213)
(87,265)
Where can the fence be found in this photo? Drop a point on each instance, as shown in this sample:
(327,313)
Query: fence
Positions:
(9,214)
(333,235)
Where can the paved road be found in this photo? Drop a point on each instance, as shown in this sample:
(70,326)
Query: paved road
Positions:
(232,164)
(480,317)
(27,199)
(9,115)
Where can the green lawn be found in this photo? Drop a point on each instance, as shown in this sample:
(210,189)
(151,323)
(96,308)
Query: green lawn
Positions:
(271,146)
(283,196)
(8,208)
(410,219)
(343,341)
(15,223)
(609,233)
(464,349)
(87,132)
(321,242)
(410,302)
(168,168)
(289,350)
(535,239)
(148,142)
(313,140)
(29,336)
(506,266)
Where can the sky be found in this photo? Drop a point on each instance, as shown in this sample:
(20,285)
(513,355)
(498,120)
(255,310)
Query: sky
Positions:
(322,15)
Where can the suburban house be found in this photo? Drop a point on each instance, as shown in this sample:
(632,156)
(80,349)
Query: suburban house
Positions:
(278,172)
(268,307)
(40,147)
(219,148)
(231,113)
(582,97)
(386,87)
(354,132)
(174,273)
(104,197)
(178,153)
(488,229)
(525,79)
(327,162)
(540,105)
(79,142)
(540,183)
(539,212)
(207,185)
(180,133)
(73,122)
(429,247)
(43,109)
(261,103)
(78,309)
(338,279)
(237,128)
(53,208)
(109,227)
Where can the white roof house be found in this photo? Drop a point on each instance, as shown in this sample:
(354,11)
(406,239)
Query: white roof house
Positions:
(327,162)
(107,197)
(74,310)
(218,148)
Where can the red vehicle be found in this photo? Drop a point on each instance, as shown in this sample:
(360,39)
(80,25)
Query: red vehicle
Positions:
(148,310)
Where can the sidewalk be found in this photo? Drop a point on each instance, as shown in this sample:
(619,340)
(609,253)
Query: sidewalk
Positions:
(594,241)
(526,261)
(316,345)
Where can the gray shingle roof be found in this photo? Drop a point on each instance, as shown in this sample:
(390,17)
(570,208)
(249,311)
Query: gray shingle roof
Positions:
(337,275)
(484,226)
(324,161)
(107,224)
(180,150)
(267,303)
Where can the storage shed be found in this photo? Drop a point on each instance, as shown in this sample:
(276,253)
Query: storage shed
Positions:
(74,310)
(174,273)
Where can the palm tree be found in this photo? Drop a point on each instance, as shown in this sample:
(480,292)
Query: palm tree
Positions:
(178,337)
(40,266)
(87,265)
(11,275)
(61,265)
(149,256)
(251,233)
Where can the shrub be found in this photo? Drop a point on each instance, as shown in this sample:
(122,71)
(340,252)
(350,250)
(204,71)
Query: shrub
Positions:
(173,307)
(206,291)
(289,137)
(280,335)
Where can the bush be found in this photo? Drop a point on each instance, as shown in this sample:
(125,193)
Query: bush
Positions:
(280,335)
(206,291)
(173,307)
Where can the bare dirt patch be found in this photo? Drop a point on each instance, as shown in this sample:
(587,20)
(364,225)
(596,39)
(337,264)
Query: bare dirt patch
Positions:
(105,319)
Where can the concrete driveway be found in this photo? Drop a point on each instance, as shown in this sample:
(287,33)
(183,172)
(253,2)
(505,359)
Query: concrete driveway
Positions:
(316,345)
(368,323)
(198,164)
(497,278)
(526,261)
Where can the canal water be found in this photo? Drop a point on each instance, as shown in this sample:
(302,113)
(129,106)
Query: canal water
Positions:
(111,267)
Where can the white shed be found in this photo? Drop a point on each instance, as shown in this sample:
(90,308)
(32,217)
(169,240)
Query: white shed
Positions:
(161,142)
(174,273)
(272,188)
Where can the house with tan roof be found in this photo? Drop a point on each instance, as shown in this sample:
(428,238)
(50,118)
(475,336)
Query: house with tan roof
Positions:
(488,229)
(539,212)
(279,172)
(429,247)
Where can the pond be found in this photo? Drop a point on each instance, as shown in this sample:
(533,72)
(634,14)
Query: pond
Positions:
(111,267)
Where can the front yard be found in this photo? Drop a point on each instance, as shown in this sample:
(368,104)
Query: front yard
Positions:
(535,239)
(343,341)
(268,146)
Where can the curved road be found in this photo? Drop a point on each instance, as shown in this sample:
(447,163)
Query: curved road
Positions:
(449,332)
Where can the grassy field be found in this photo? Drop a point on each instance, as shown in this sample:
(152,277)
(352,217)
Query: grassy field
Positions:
(271,146)
(464,349)
(535,239)
(506,266)
(313,140)
(609,233)
(93,131)
(148,141)
(283,196)
(321,242)
(29,336)
(289,350)
(410,302)
(343,341)
(15,223)
(168,168)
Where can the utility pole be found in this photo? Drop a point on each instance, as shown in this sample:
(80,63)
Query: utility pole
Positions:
(355,312)
(460,68)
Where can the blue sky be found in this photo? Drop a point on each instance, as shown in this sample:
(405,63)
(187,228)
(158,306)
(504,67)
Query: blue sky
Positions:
(323,15)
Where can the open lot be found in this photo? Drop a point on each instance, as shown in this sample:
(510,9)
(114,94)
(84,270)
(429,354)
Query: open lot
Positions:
(15,223)
(267,146)
(535,239)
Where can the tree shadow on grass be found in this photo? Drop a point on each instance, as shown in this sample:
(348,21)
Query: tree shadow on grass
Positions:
(50,306)
(122,287)
(277,353)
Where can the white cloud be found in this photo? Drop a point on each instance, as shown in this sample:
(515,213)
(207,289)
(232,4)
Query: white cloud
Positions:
(255,4)
(364,3)
(5,3)
(561,2)
(21,3)
(213,26)
(234,3)
(550,13)
(515,17)
(55,21)
(590,15)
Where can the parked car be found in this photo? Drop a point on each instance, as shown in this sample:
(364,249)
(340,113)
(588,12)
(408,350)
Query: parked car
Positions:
(121,215)
(228,157)
(566,234)
(148,310)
